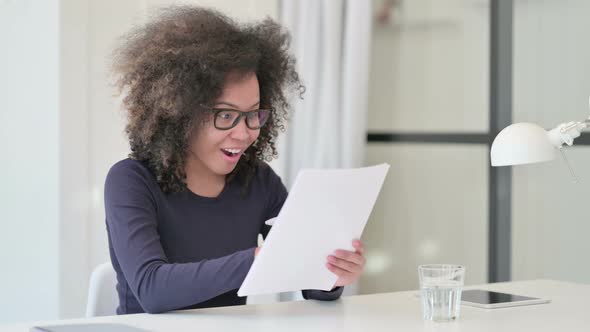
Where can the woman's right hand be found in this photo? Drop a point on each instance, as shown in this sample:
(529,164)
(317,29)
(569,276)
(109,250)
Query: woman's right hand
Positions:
(256,251)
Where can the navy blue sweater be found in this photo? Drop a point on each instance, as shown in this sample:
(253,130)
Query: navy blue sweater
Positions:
(184,251)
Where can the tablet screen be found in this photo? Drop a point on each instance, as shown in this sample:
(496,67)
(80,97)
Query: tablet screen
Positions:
(488,297)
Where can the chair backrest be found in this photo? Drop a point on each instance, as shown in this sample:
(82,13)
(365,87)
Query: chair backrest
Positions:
(102,292)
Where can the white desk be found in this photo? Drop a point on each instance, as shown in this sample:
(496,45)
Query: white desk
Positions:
(568,311)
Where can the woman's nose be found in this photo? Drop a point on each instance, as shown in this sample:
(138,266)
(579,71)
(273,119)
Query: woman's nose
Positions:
(240,131)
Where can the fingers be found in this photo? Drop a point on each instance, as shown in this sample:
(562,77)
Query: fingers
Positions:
(358,246)
(346,265)
(350,256)
(341,273)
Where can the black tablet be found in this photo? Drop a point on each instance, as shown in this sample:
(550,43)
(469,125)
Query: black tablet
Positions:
(488,299)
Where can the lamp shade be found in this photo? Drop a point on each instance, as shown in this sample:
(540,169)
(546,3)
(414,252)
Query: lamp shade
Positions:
(522,143)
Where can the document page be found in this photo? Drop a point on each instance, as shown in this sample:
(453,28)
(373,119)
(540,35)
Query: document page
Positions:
(325,211)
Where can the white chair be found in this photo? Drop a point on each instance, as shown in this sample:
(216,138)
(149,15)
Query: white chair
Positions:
(102,292)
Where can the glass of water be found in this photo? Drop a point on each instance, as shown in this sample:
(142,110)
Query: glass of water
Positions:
(441,286)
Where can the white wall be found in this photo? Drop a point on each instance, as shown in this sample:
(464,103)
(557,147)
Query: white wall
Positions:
(29,167)
(551,85)
(429,73)
(106,138)
(429,67)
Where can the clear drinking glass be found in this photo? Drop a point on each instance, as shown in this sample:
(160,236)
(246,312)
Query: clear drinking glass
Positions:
(441,286)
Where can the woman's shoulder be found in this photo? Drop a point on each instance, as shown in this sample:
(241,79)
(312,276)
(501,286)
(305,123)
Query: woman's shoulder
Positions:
(130,170)
(129,182)
(266,176)
(128,165)
(264,171)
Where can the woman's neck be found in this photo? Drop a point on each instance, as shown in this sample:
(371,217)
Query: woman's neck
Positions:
(201,181)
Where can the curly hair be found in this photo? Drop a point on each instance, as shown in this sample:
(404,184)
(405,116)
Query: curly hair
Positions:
(180,60)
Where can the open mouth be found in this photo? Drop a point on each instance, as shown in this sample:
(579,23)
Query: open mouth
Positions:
(231,152)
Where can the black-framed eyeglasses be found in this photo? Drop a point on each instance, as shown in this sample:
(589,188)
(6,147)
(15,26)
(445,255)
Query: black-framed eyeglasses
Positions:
(227,118)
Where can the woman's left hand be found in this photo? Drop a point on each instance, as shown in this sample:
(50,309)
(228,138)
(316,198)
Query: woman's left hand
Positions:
(347,265)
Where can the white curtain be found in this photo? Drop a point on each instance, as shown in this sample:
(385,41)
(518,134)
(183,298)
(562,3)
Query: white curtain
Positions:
(331,42)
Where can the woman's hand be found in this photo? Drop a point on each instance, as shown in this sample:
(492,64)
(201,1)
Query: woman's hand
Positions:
(347,265)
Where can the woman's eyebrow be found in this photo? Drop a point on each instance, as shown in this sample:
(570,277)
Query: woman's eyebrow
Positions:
(232,105)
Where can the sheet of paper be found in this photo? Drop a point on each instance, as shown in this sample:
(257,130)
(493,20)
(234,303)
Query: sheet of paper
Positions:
(325,211)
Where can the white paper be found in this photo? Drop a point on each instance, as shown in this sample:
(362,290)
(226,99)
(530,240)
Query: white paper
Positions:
(325,211)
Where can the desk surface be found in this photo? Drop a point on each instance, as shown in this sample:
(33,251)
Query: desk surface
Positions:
(400,311)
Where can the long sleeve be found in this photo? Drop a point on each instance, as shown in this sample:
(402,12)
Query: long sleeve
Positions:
(131,214)
(277,196)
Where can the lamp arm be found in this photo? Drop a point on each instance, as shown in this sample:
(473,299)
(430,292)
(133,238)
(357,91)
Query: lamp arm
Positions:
(565,133)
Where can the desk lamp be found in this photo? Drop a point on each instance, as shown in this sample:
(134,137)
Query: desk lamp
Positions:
(527,143)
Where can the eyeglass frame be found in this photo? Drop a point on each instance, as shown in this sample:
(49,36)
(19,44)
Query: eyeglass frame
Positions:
(241,114)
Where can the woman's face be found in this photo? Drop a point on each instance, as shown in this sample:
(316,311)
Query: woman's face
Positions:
(216,151)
